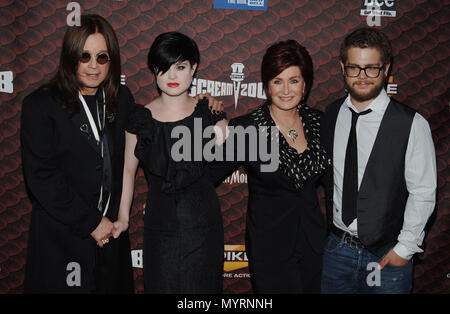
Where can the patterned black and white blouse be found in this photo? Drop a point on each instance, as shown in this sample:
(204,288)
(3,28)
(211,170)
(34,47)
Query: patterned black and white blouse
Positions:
(298,166)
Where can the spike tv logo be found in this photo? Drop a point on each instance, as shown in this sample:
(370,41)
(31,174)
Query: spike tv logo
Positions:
(237,87)
(235,258)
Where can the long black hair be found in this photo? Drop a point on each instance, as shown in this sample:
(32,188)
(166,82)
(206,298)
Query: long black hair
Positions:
(66,81)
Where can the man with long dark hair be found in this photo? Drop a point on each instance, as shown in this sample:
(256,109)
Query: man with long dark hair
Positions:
(72,134)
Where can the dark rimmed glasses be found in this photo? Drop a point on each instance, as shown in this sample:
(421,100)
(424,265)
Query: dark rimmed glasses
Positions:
(370,71)
(102,57)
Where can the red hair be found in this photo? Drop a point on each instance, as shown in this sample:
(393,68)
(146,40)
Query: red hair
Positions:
(283,55)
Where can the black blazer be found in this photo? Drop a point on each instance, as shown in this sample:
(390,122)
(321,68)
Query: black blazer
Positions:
(63,173)
(282,213)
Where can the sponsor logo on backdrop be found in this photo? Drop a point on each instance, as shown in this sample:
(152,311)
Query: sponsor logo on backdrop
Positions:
(237,87)
(235,258)
(391,87)
(6,82)
(379,8)
(241,4)
(137,259)
(375,9)
(237,76)
(236,177)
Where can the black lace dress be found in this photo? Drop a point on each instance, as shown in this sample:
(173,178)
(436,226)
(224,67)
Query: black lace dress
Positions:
(183,231)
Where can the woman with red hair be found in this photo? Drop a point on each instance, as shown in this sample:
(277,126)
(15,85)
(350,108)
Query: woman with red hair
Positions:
(285,229)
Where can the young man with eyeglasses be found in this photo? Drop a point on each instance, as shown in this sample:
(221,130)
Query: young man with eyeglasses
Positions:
(381,189)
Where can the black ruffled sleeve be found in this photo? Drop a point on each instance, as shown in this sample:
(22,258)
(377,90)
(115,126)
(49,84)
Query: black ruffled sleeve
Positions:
(139,120)
(141,123)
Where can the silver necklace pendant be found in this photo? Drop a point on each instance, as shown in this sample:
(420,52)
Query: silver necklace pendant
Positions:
(293,134)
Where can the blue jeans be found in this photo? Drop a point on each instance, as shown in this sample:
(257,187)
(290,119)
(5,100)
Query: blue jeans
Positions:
(347,269)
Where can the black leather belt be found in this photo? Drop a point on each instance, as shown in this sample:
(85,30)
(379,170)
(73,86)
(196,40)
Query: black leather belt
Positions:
(352,241)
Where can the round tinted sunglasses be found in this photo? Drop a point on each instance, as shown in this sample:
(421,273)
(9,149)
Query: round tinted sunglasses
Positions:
(102,57)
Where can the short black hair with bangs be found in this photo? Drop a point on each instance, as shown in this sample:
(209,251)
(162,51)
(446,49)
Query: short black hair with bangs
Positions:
(169,48)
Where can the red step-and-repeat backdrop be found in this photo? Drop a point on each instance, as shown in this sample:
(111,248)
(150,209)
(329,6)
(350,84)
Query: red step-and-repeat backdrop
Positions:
(232,36)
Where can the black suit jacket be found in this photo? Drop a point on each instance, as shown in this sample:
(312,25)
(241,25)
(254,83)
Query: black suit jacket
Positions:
(63,173)
(275,204)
